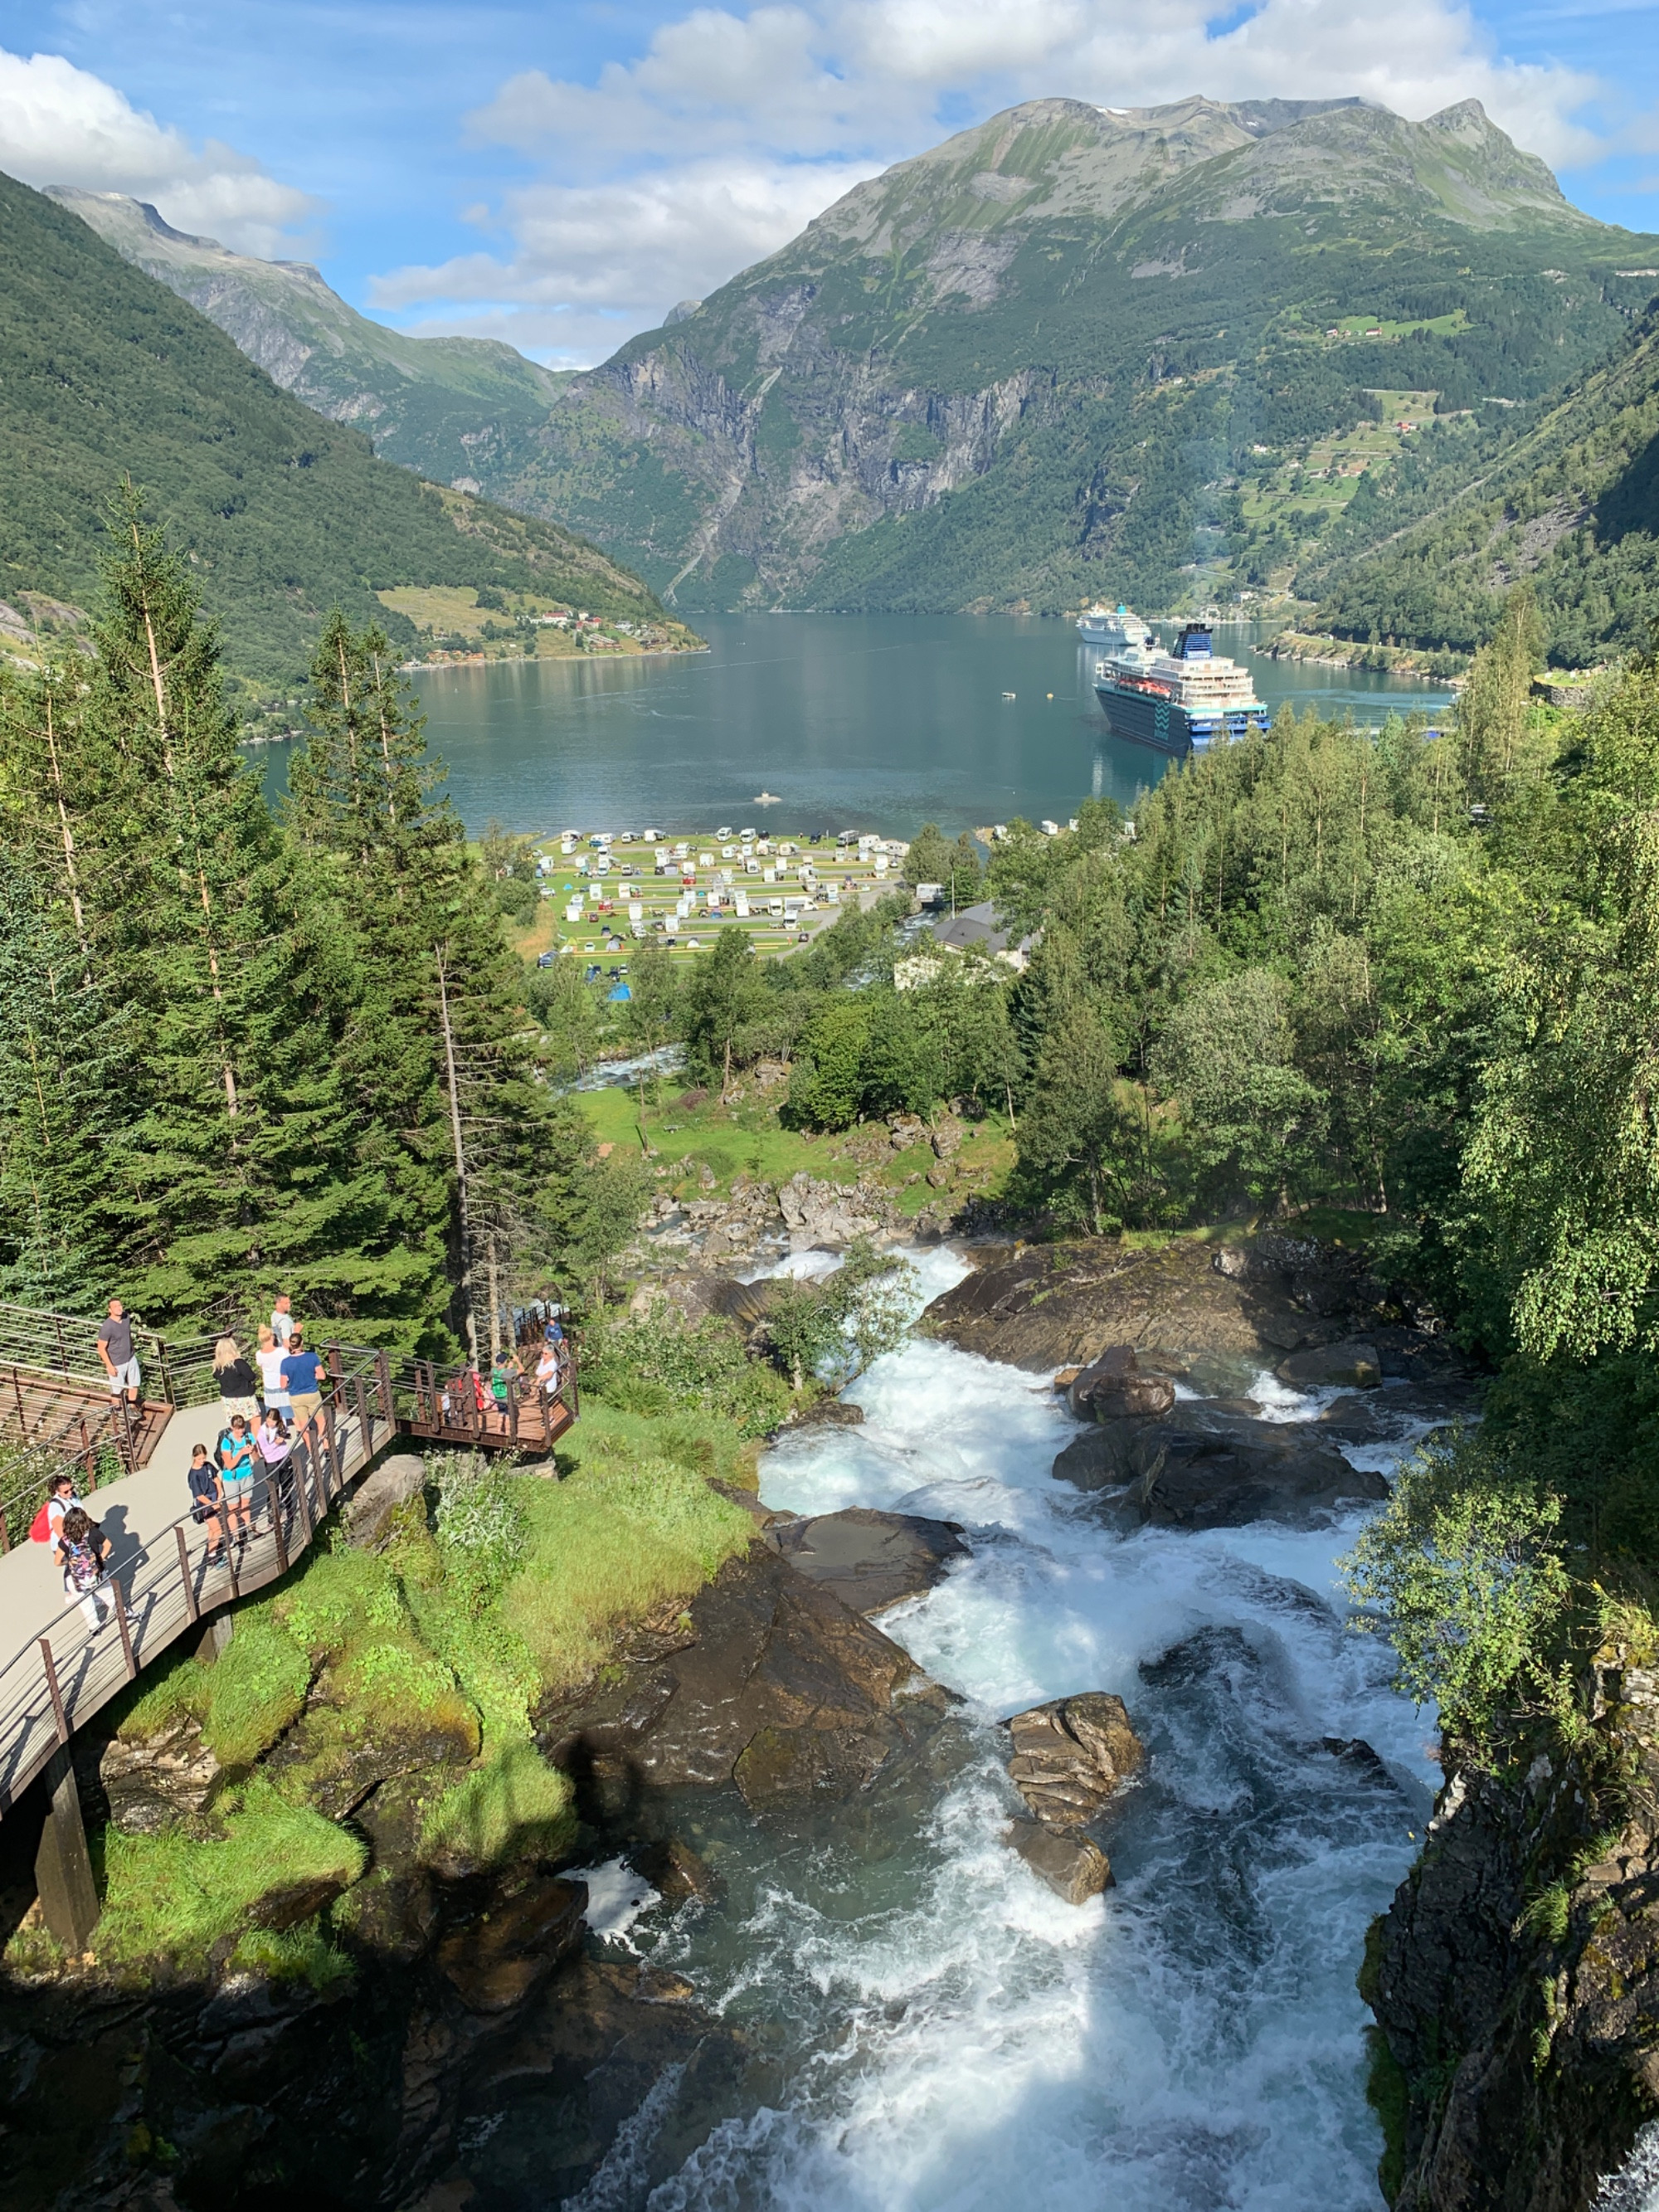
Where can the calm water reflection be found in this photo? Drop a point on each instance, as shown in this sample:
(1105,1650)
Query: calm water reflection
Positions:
(878,722)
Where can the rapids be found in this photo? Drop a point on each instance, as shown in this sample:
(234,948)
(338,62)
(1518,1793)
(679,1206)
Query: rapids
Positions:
(935,2031)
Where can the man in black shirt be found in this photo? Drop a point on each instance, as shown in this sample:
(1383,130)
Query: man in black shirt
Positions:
(115,1349)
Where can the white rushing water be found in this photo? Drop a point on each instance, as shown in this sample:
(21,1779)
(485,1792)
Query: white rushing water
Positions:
(943,2035)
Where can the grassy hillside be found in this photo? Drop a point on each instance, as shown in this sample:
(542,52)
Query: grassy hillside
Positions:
(282,514)
(449,408)
(1570,500)
(1070,353)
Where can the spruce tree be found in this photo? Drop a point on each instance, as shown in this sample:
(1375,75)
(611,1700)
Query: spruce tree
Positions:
(237,1166)
(438,1045)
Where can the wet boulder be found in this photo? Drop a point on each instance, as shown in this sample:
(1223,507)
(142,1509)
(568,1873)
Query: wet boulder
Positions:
(1073,1755)
(1213,1472)
(1351,1364)
(1113,1388)
(871,1560)
(1075,1868)
(494,1962)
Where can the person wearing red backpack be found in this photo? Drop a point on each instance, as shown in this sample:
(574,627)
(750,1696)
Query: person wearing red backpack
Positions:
(48,1522)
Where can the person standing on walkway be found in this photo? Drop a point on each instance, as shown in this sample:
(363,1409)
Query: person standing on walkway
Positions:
(301,1373)
(83,1553)
(234,1453)
(115,1349)
(270,1356)
(282,1323)
(235,1377)
(207,1495)
(47,1525)
(272,1443)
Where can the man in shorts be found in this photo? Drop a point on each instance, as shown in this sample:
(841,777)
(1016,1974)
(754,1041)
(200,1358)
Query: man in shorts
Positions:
(115,1351)
(301,1379)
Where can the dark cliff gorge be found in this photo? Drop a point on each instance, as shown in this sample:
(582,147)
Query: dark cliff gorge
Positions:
(1515,1976)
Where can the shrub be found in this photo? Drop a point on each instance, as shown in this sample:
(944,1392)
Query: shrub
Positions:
(661,1362)
(1463,1567)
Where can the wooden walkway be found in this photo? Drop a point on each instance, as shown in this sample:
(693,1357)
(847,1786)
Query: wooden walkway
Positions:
(161,1585)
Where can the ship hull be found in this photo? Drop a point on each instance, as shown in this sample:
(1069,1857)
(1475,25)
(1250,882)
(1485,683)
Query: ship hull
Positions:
(1145,720)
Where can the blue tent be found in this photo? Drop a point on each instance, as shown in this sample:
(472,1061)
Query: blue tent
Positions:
(621,991)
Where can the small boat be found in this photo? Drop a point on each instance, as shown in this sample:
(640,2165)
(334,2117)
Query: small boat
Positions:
(1007,695)
(766,798)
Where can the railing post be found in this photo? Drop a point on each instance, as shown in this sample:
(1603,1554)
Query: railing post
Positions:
(121,1623)
(302,1457)
(383,1383)
(184,1569)
(274,1496)
(332,1441)
(59,1714)
(513,1383)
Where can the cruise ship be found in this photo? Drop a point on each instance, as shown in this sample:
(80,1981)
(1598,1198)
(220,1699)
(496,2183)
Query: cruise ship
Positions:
(1111,629)
(1185,699)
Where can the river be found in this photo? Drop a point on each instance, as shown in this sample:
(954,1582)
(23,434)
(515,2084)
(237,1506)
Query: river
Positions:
(939,2032)
(856,721)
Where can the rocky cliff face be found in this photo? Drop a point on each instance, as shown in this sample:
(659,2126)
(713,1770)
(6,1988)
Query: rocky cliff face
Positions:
(1515,1976)
(1038,304)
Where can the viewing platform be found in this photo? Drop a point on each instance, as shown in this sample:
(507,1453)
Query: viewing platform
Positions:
(61,1672)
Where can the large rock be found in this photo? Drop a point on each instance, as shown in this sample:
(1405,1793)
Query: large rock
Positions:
(1073,1755)
(871,1560)
(1351,1365)
(771,1659)
(1218,1476)
(153,1781)
(495,1961)
(825,1213)
(1199,1308)
(1113,1388)
(1074,1867)
(370,1507)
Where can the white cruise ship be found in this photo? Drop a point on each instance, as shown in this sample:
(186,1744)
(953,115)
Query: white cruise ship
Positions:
(1187,699)
(1112,630)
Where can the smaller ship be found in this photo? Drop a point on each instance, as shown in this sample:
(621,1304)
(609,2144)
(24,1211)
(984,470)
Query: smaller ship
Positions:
(1111,629)
(1185,699)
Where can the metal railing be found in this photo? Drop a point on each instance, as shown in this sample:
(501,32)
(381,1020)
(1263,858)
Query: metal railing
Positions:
(159,1588)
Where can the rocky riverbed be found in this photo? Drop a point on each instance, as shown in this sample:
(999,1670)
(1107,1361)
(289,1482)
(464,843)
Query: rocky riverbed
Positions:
(819,1879)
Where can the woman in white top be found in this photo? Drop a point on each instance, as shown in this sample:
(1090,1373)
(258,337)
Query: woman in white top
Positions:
(269,1357)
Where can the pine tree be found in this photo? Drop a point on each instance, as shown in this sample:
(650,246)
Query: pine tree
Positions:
(437,1046)
(238,1164)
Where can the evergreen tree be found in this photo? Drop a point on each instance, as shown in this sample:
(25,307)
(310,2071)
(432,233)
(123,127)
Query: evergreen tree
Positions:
(230,1158)
(437,1046)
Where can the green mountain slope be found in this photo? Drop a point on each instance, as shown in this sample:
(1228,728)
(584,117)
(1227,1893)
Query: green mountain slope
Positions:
(1072,352)
(282,514)
(444,407)
(1572,503)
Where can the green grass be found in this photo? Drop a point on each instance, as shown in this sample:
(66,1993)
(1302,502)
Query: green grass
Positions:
(243,1701)
(742,1138)
(624,1536)
(513,1804)
(175,1895)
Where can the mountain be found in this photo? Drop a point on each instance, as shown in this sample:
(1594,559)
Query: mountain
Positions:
(1571,503)
(1075,351)
(282,514)
(435,405)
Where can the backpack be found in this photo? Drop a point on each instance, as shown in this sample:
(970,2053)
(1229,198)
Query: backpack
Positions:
(40,1527)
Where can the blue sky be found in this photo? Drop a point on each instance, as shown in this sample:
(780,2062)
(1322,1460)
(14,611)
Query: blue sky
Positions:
(559,175)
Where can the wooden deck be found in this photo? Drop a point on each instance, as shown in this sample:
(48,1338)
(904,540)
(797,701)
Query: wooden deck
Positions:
(63,1672)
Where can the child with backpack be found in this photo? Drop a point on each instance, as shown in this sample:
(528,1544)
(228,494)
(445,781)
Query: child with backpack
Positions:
(234,1453)
(207,1495)
(82,1553)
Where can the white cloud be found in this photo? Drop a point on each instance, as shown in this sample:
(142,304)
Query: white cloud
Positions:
(63,126)
(720,141)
